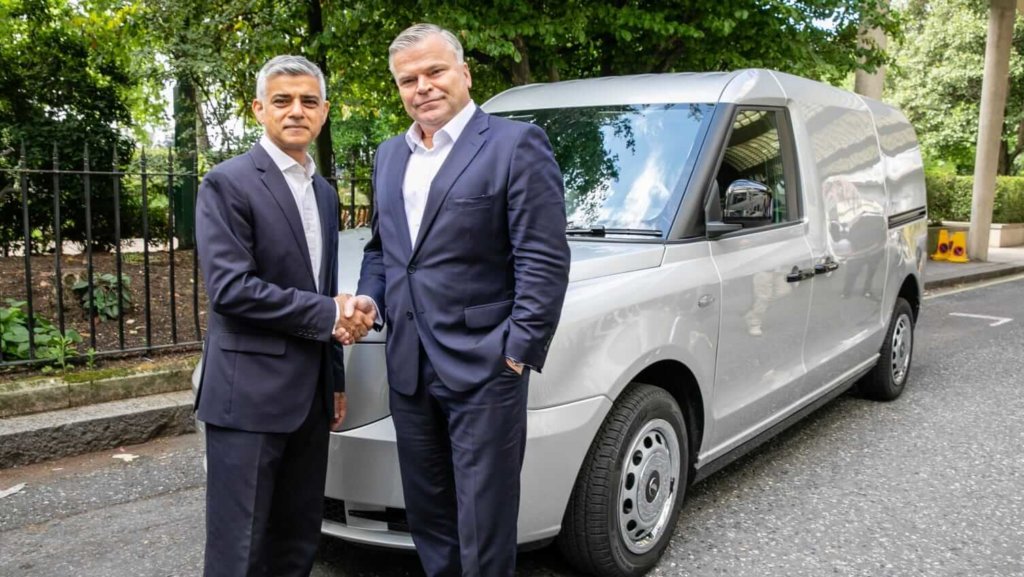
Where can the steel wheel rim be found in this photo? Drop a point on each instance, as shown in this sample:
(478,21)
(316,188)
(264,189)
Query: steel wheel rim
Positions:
(648,486)
(902,345)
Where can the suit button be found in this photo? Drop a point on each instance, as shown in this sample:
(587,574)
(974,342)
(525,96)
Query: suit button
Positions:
(411,269)
(408,315)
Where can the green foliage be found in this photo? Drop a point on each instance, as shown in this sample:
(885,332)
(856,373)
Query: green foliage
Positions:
(949,198)
(49,342)
(61,91)
(219,47)
(108,295)
(116,56)
(936,80)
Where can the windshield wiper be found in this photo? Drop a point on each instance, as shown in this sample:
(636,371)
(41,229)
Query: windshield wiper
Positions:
(600,231)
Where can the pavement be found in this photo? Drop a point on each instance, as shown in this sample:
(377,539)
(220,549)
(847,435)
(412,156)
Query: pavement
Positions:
(52,434)
(1002,261)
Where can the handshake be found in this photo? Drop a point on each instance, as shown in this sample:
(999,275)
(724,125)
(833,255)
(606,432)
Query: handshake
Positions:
(356,319)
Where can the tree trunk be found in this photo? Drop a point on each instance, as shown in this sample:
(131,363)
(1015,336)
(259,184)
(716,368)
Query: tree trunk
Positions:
(521,69)
(1017,150)
(1004,159)
(553,75)
(324,141)
(870,84)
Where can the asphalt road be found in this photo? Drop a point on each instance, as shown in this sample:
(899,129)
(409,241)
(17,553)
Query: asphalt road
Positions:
(931,484)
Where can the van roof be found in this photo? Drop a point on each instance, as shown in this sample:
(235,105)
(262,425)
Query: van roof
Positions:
(703,87)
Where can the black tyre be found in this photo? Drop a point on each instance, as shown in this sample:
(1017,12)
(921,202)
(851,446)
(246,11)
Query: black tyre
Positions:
(886,381)
(627,497)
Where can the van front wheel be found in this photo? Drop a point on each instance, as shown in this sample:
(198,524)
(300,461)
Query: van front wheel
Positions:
(628,494)
(885,382)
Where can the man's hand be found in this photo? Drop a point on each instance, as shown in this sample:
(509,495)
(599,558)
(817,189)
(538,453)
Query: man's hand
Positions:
(517,367)
(340,407)
(361,304)
(351,326)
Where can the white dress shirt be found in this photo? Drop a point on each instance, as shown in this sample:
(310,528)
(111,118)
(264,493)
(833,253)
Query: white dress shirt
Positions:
(425,163)
(300,182)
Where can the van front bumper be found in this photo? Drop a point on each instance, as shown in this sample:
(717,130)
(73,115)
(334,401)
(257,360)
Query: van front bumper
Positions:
(363,495)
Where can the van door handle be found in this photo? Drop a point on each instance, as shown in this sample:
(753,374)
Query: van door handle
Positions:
(797,275)
(826,267)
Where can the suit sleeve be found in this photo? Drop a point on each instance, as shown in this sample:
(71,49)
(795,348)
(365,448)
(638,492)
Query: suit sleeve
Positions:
(540,252)
(337,354)
(224,238)
(371,273)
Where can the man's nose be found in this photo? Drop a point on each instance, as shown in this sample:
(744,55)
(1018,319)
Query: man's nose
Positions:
(296,108)
(422,84)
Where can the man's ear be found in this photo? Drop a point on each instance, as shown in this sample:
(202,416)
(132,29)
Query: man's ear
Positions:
(257,109)
(327,112)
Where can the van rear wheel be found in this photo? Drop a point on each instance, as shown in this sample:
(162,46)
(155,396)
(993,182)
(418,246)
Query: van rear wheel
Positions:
(628,494)
(886,381)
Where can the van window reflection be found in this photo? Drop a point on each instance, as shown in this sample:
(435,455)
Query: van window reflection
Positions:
(623,166)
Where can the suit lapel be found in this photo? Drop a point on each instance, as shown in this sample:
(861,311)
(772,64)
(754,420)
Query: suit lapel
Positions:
(463,152)
(274,180)
(323,193)
(391,188)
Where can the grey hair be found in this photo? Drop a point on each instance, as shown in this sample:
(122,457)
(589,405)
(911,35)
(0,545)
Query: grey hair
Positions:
(418,33)
(291,66)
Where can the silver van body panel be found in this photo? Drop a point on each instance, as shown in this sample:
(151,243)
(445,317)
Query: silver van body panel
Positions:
(720,313)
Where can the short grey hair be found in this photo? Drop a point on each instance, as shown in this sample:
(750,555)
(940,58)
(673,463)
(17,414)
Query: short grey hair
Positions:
(289,65)
(417,33)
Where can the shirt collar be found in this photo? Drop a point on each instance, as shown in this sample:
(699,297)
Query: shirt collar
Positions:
(283,161)
(452,130)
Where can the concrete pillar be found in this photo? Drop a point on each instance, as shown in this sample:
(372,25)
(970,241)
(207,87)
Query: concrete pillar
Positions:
(990,123)
(870,84)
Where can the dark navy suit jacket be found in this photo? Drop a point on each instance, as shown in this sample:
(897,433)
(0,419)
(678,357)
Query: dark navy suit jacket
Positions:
(268,341)
(487,275)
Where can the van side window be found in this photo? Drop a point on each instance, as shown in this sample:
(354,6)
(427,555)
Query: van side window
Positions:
(752,186)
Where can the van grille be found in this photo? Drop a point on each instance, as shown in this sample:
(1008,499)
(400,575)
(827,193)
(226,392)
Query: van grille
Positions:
(334,510)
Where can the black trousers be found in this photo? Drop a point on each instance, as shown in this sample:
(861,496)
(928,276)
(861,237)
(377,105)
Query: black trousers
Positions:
(264,498)
(461,454)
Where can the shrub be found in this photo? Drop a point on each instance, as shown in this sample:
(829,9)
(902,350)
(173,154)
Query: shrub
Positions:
(949,198)
(50,343)
(105,291)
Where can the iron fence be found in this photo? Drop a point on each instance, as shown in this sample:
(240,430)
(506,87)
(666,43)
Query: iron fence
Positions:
(74,242)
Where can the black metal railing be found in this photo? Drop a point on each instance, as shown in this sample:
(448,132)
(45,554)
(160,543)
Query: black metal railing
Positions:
(76,240)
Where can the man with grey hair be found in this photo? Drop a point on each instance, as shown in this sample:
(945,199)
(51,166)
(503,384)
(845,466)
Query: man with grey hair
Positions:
(273,380)
(469,262)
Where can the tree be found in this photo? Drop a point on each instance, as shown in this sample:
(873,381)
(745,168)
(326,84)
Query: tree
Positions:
(936,80)
(512,42)
(61,91)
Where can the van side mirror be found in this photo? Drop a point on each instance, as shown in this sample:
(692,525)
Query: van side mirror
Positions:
(713,225)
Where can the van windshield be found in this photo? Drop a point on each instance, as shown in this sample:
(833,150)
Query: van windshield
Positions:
(625,167)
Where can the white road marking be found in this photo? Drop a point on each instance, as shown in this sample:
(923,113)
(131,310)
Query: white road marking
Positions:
(998,320)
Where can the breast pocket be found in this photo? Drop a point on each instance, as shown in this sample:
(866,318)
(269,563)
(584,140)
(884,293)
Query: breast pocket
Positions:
(471,203)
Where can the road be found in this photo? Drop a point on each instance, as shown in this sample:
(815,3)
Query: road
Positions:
(931,484)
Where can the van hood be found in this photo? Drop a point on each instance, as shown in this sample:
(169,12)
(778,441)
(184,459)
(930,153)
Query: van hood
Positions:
(590,258)
(366,380)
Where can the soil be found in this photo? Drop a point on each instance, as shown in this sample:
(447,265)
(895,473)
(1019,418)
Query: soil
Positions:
(172,331)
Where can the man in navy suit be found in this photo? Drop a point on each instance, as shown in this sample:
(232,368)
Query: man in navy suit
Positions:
(468,263)
(273,380)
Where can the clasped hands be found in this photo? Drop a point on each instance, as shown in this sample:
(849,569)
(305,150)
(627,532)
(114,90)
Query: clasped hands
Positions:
(356,319)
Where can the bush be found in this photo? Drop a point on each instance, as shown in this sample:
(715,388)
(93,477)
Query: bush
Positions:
(108,295)
(949,198)
(50,344)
